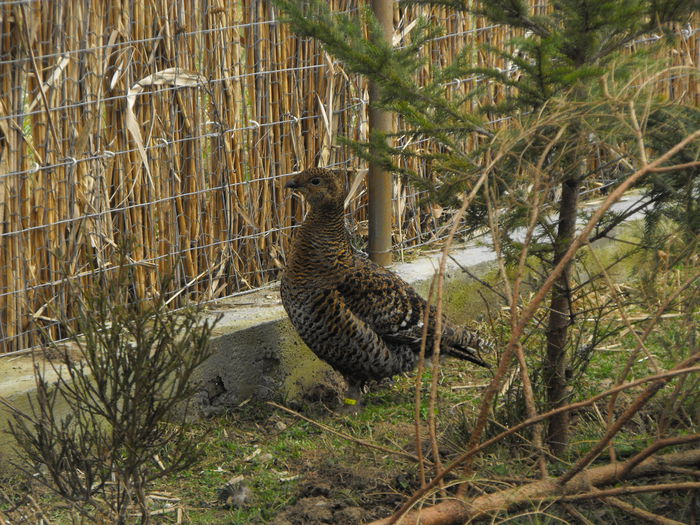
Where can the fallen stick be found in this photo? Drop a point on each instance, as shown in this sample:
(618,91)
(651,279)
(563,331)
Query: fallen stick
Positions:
(457,511)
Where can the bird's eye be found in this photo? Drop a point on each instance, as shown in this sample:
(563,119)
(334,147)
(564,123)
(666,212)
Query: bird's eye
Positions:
(315,181)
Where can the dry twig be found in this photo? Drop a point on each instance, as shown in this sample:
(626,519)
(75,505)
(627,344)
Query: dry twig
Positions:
(362,442)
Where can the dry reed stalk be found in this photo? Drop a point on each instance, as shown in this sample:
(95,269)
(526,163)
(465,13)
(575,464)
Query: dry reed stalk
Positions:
(207,203)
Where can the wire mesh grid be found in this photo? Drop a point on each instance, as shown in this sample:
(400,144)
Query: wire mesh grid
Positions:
(172,126)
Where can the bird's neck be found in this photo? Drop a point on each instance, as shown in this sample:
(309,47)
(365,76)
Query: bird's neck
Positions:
(322,239)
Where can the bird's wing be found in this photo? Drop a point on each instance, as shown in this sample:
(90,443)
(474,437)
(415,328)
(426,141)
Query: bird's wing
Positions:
(395,311)
(340,337)
(383,300)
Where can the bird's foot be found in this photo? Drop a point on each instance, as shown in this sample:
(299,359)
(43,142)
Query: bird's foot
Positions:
(352,401)
(349,407)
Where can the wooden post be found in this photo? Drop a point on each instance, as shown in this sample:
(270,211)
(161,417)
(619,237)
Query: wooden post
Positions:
(378,180)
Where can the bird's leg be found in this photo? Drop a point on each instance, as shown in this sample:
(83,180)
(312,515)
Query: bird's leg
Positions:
(352,399)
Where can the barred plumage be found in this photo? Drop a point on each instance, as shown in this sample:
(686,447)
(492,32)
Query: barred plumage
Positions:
(361,318)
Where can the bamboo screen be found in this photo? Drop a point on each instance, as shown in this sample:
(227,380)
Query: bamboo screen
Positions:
(172,125)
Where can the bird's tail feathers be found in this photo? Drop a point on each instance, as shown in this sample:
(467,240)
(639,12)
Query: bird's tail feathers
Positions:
(468,354)
(468,345)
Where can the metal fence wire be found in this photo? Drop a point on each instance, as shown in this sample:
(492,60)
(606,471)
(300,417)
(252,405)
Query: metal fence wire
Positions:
(173,126)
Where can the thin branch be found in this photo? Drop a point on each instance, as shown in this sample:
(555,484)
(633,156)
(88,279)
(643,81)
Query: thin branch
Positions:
(679,370)
(419,385)
(639,134)
(494,385)
(483,283)
(435,376)
(438,316)
(531,407)
(631,411)
(530,404)
(640,513)
(619,219)
(362,442)
(621,491)
(693,164)
(653,448)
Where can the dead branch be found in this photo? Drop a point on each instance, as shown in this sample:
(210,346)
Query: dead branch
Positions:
(642,514)
(636,405)
(458,511)
(438,322)
(621,491)
(490,287)
(362,442)
(683,471)
(419,388)
(679,370)
(677,167)
(653,448)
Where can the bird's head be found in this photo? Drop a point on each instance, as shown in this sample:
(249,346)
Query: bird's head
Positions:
(319,186)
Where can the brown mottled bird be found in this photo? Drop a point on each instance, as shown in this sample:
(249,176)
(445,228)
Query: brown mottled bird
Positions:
(361,318)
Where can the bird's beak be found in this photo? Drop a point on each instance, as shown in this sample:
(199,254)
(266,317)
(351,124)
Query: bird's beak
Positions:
(292,185)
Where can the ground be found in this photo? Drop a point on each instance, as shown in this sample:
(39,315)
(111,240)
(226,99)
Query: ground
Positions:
(262,465)
(291,472)
(285,470)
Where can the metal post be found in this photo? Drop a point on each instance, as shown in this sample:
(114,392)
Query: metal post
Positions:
(379,180)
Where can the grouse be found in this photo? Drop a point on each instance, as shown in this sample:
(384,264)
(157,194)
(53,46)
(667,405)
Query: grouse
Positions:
(359,317)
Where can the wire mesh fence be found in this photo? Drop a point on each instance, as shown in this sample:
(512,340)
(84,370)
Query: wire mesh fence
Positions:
(172,127)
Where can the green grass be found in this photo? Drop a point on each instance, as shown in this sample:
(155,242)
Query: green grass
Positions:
(291,448)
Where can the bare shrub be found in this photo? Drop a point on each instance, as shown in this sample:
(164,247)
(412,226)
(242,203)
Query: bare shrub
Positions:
(124,380)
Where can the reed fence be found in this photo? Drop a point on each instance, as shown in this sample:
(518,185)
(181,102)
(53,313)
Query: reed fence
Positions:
(174,126)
